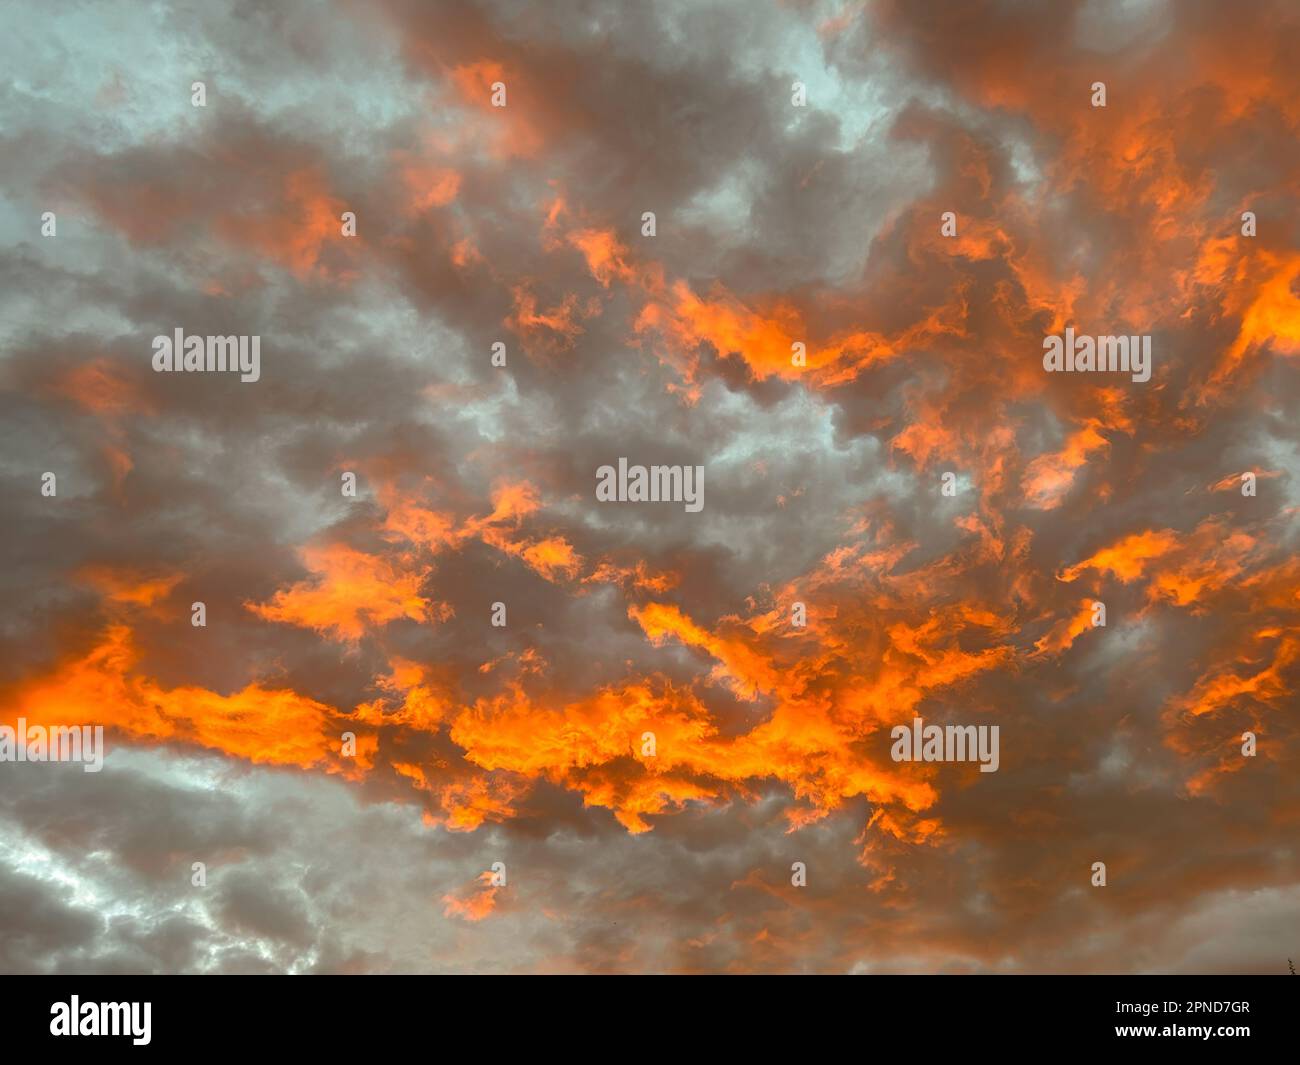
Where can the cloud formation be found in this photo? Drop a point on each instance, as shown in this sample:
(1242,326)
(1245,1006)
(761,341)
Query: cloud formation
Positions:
(521,230)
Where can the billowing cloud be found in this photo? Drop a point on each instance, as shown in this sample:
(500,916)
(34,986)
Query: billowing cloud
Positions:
(648,714)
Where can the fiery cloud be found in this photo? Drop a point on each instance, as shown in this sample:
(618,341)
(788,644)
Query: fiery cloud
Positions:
(647,715)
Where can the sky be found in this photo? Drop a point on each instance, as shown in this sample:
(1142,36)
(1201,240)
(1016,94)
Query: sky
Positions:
(470,718)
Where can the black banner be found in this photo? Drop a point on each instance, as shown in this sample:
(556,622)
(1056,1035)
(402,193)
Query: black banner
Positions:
(1225,1016)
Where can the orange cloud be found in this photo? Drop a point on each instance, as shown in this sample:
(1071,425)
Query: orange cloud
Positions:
(263,725)
(1126,559)
(476,904)
(348,592)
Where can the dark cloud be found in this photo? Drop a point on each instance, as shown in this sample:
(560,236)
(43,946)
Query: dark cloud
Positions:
(776,225)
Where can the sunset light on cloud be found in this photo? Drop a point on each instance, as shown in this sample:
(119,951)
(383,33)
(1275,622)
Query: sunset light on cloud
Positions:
(576,735)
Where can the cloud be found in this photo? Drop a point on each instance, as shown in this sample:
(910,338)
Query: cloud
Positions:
(526,743)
